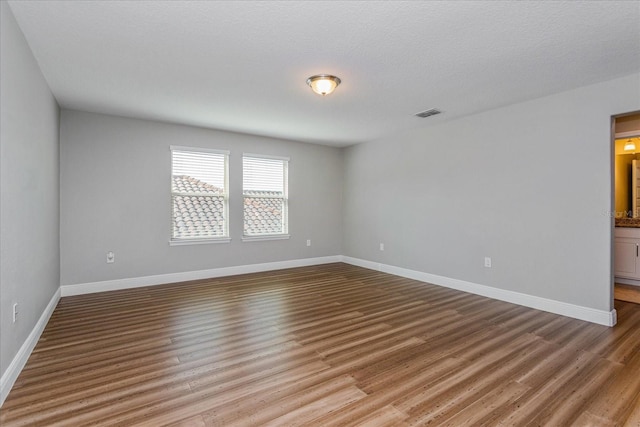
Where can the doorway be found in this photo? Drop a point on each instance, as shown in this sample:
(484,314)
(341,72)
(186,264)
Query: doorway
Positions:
(626,204)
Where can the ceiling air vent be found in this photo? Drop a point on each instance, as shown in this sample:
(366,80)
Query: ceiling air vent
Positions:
(427,113)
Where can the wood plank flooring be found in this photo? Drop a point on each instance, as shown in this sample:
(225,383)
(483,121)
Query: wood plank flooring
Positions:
(627,293)
(332,345)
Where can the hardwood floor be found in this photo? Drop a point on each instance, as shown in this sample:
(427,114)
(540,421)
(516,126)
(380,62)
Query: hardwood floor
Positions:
(332,345)
(627,293)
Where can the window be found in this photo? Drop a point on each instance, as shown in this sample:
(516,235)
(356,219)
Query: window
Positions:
(264,188)
(199,193)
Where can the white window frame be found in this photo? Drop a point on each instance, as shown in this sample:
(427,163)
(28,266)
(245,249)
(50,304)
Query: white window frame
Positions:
(285,198)
(176,241)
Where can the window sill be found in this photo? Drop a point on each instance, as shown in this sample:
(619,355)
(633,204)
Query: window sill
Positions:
(183,242)
(262,238)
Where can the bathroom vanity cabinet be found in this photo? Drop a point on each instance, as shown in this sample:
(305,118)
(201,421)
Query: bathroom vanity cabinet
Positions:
(627,253)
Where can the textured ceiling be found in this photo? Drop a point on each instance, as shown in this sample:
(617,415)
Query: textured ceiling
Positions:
(242,65)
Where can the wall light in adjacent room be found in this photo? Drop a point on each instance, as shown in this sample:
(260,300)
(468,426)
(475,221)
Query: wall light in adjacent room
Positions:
(323,84)
(629,146)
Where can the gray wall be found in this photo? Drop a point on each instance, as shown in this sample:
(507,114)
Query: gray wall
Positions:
(29,203)
(528,185)
(115,196)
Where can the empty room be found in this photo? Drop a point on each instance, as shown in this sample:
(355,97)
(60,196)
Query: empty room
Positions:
(319,213)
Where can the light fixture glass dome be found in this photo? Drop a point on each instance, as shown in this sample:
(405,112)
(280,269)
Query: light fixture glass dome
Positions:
(323,84)
(630,146)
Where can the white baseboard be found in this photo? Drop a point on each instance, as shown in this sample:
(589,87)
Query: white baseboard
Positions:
(627,281)
(15,367)
(601,317)
(137,282)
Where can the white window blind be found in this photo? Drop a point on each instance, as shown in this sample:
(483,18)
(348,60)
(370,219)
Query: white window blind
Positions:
(264,187)
(199,194)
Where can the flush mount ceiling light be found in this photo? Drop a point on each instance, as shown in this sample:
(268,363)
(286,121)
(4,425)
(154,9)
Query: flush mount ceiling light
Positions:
(323,84)
(629,146)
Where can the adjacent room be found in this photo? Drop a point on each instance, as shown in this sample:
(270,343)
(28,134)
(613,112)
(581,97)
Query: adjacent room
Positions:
(323,213)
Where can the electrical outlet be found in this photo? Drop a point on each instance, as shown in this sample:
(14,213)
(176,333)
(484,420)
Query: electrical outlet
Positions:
(111,257)
(15,312)
(487,262)
(308,242)
(382,246)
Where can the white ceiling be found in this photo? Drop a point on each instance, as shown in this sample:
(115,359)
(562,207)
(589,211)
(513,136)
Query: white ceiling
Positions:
(242,65)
